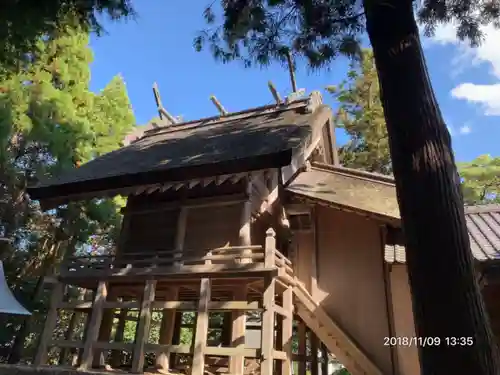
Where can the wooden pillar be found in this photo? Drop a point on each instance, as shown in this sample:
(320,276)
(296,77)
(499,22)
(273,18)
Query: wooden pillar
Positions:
(227,326)
(324,359)
(116,355)
(245,223)
(180,235)
(71,328)
(287,332)
(104,335)
(142,333)
(200,337)
(267,341)
(302,347)
(166,332)
(50,325)
(176,339)
(314,352)
(94,326)
(237,362)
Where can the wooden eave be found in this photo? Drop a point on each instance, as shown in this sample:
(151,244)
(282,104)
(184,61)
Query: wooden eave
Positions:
(52,196)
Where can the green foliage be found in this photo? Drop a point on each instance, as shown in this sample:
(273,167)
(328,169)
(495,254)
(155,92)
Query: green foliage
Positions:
(481,180)
(361,115)
(51,122)
(23,22)
(259,31)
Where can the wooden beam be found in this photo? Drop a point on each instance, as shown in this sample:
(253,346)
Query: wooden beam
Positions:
(94,326)
(218,201)
(237,362)
(267,341)
(142,333)
(275,93)
(50,325)
(200,337)
(219,106)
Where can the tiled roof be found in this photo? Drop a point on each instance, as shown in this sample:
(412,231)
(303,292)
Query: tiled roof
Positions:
(483,225)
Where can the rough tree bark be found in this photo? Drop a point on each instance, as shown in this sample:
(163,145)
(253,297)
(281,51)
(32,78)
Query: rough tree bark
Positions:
(446,298)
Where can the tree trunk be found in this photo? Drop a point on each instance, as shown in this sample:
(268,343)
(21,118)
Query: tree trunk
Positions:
(446,299)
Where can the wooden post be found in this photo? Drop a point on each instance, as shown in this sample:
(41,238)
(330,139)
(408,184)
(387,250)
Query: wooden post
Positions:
(267,341)
(77,360)
(200,337)
(324,359)
(227,326)
(50,324)
(166,332)
(142,333)
(245,223)
(270,248)
(237,362)
(94,326)
(302,347)
(116,355)
(314,352)
(180,235)
(104,335)
(71,327)
(176,339)
(287,332)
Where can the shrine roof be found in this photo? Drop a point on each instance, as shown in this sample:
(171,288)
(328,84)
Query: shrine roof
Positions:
(254,139)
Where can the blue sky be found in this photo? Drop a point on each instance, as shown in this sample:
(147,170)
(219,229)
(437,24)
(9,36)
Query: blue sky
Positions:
(157,46)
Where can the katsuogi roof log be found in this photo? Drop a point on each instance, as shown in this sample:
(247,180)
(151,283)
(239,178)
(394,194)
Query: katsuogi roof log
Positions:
(260,138)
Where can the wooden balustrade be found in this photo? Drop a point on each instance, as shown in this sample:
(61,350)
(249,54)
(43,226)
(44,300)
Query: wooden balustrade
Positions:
(187,260)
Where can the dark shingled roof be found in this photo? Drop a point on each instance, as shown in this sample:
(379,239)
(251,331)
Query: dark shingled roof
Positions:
(375,194)
(263,137)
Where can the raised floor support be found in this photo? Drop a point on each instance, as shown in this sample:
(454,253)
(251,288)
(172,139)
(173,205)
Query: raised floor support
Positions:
(200,337)
(94,326)
(141,336)
(267,343)
(166,333)
(50,324)
(237,362)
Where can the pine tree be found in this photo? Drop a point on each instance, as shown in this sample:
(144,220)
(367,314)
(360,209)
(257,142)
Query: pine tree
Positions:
(361,115)
(440,267)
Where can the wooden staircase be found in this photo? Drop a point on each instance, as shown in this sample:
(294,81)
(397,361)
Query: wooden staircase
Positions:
(335,339)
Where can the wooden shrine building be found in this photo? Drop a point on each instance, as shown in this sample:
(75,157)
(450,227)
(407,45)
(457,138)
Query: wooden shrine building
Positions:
(243,214)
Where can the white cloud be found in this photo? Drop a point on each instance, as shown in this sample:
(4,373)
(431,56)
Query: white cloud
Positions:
(466,129)
(485,95)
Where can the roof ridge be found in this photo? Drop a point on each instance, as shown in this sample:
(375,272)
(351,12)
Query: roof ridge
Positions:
(153,128)
(355,172)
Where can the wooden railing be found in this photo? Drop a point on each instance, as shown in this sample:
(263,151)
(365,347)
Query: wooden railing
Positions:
(217,259)
(220,256)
